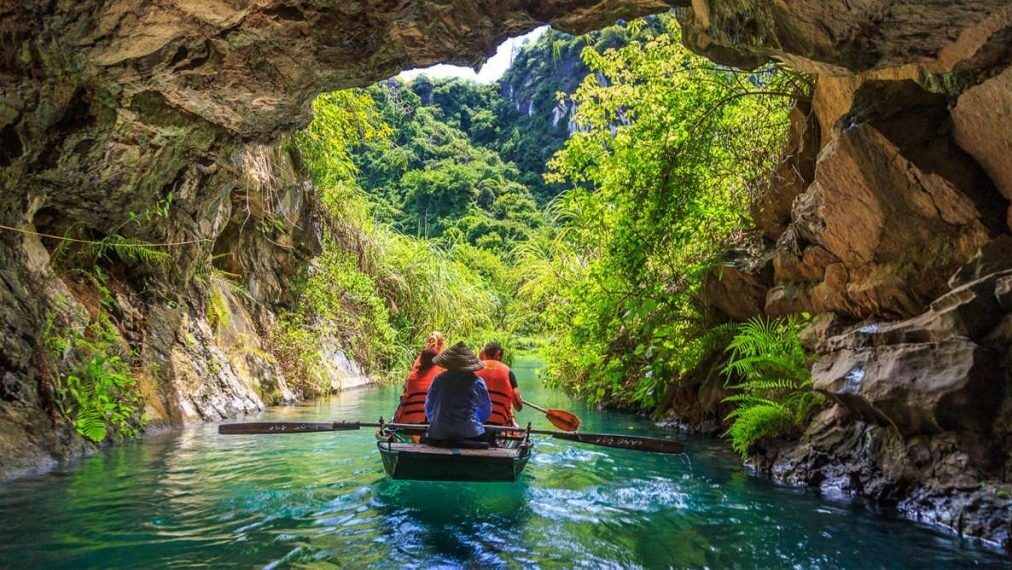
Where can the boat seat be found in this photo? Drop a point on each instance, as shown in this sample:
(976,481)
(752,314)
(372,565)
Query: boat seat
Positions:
(411,448)
(459,444)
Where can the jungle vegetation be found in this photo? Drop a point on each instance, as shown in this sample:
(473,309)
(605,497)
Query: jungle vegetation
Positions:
(469,209)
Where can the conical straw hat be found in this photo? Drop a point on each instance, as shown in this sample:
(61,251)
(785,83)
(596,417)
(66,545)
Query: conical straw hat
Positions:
(458,357)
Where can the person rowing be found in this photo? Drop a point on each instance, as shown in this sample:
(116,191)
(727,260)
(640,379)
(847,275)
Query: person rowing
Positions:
(458,403)
(502,386)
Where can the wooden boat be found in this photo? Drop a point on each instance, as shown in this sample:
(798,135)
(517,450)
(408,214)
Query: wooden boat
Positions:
(404,458)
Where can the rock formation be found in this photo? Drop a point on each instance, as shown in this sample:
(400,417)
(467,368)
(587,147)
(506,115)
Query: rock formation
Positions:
(889,219)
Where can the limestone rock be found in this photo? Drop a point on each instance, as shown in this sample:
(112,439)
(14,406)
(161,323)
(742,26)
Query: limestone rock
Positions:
(834,94)
(993,257)
(772,211)
(830,37)
(935,479)
(981,119)
(889,206)
(925,387)
(735,293)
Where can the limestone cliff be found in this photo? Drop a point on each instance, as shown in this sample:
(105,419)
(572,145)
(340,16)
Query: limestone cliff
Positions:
(889,220)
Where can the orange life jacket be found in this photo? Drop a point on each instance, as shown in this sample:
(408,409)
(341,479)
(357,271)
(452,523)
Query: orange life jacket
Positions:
(411,410)
(497,379)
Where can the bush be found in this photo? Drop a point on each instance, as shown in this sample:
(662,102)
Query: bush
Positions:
(98,393)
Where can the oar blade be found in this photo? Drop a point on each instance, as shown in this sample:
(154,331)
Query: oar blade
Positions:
(637,443)
(269,428)
(563,420)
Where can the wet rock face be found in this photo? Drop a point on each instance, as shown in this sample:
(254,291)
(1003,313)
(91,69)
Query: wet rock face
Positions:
(920,409)
(841,37)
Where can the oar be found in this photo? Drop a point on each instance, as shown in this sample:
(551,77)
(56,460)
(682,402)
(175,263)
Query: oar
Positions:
(634,442)
(559,418)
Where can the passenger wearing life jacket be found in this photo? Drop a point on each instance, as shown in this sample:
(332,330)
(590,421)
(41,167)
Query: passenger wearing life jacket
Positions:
(411,409)
(501,384)
(435,341)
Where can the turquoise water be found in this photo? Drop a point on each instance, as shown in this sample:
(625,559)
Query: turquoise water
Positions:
(193,498)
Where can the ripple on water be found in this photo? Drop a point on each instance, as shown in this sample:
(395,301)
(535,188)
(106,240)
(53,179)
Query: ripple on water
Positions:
(604,503)
(196,498)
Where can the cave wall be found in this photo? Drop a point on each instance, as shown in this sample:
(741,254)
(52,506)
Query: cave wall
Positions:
(889,220)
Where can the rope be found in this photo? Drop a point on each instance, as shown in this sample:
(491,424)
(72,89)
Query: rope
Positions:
(93,242)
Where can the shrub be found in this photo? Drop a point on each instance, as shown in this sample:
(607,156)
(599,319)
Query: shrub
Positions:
(98,392)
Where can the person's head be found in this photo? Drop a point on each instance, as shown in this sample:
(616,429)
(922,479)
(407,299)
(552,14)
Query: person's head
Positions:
(435,340)
(425,358)
(492,351)
(458,358)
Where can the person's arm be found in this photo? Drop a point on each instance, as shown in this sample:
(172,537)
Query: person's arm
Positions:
(430,398)
(484,401)
(518,400)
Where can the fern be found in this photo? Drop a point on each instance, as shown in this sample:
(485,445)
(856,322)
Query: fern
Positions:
(230,281)
(773,394)
(98,394)
(756,422)
(131,250)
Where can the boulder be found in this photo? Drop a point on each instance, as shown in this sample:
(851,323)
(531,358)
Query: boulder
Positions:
(981,119)
(916,388)
(736,293)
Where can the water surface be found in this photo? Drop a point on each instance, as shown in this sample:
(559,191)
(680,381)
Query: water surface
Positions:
(193,498)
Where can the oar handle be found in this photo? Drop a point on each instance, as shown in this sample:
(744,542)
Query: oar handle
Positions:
(535,406)
(286,427)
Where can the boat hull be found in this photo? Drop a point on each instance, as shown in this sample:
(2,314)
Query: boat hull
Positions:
(419,462)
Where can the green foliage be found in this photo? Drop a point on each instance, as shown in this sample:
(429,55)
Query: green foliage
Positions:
(669,152)
(98,391)
(439,175)
(100,398)
(217,310)
(772,381)
(340,302)
(79,250)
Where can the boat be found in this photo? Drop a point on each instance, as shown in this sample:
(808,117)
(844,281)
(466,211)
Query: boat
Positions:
(406,459)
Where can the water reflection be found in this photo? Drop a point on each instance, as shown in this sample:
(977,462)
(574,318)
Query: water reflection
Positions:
(196,498)
(469,525)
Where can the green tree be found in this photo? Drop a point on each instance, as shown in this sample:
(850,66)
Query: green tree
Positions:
(668,154)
